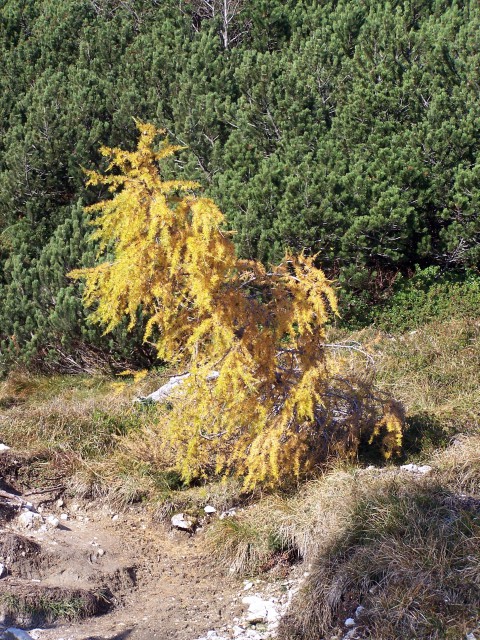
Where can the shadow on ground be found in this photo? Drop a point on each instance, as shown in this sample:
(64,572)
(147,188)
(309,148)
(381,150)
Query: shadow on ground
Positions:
(120,636)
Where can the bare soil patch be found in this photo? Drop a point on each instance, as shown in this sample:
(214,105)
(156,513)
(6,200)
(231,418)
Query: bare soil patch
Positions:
(97,578)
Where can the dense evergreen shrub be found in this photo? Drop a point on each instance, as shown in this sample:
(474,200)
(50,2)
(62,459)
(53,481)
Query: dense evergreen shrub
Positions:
(348,130)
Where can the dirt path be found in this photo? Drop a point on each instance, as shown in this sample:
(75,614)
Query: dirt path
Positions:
(156,582)
(164,584)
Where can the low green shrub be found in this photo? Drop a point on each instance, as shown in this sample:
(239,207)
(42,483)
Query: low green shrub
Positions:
(430,294)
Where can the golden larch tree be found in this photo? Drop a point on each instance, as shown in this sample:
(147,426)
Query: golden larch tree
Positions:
(279,406)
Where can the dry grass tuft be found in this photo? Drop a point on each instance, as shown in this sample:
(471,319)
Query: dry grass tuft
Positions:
(404,546)
(74,424)
(459,465)
(299,524)
(407,549)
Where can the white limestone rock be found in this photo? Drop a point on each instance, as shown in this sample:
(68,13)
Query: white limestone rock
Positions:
(415,468)
(52,522)
(260,611)
(228,514)
(183,522)
(30,520)
(209,510)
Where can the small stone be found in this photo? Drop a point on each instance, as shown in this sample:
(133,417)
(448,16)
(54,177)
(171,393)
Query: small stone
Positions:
(60,503)
(349,622)
(181,521)
(426,468)
(3,447)
(52,522)
(359,610)
(247,585)
(260,611)
(64,516)
(115,518)
(3,570)
(415,468)
(228,514)
(237,631)
(100,552)
(30,520)
(209,509)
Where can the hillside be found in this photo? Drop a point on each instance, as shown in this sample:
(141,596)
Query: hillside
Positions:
(239,320)
(398,542)
(346,131)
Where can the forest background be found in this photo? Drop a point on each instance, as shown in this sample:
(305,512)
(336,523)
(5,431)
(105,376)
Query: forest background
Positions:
(344,129)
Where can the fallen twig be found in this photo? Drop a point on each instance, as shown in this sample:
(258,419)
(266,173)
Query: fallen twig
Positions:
(36,492)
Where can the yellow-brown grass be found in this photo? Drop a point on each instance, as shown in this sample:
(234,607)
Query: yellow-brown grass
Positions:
(76,422)
(404,546)
(433,371)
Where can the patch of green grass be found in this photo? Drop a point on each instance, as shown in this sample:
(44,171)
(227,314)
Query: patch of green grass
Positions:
(51,605)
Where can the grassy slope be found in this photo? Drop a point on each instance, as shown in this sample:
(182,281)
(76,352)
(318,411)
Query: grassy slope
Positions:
(404,547)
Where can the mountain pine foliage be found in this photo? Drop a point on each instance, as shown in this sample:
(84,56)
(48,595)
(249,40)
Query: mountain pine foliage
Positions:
(344,129)
(275,409)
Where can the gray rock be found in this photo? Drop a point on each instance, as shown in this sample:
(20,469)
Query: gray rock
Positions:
(3,447)
(359,610)
(349,622)
(3,570)
(209,509)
